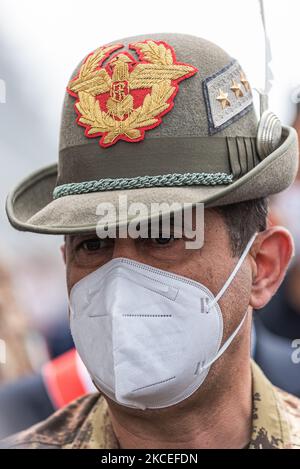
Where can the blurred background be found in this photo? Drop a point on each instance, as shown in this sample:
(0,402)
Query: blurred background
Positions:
(40,45)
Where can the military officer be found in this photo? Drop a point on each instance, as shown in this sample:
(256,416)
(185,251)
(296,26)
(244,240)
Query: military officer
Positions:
(164,330)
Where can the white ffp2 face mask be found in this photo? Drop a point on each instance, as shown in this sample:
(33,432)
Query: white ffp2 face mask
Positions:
(147,337)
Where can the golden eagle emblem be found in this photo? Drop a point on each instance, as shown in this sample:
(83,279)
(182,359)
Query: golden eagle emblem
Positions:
(127,96)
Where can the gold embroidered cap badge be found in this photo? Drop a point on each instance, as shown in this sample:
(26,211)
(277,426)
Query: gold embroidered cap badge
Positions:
(126,97)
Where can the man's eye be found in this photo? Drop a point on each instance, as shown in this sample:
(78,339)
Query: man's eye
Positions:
(161,240)
(91,245)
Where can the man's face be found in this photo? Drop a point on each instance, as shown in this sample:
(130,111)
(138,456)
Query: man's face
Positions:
(211,265)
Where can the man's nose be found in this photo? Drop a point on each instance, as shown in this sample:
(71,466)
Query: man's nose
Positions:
(125,248)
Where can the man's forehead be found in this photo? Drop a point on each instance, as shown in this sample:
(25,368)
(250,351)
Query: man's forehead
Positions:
(164,229)
(171,225)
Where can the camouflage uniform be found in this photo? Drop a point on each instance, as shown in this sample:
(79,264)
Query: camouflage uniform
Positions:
(85,423)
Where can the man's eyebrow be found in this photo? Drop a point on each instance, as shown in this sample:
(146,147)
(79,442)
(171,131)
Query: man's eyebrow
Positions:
(74,238)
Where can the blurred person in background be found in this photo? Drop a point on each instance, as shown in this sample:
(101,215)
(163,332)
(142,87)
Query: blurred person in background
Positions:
(277,325)
(22,345)
(14,331)
(35,397)
(39,285)
(33,335)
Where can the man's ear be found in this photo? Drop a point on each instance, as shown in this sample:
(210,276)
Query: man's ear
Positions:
(63,249)
(271,254)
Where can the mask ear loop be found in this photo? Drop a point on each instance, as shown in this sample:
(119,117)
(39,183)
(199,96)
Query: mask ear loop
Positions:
(221,292)
(233,273)
(225,345)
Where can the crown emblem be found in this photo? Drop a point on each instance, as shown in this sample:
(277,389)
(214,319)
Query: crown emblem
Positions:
(126,97)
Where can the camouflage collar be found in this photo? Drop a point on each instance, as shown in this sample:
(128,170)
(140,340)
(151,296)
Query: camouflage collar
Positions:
(270,427)
(272,422)
(96,431)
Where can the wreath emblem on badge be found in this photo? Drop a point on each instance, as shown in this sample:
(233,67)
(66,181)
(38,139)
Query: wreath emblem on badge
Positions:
(126,97)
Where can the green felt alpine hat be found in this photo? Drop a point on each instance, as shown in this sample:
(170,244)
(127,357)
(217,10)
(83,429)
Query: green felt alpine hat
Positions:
(158,118)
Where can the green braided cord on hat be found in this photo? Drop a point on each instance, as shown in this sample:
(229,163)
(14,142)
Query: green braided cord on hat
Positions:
(166,180)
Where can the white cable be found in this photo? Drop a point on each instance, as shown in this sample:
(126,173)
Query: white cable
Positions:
(269,77)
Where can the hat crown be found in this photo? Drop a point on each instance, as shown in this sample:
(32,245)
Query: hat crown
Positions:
(191,135)
(189,115)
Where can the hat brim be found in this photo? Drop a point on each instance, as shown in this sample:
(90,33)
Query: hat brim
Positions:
(30,207)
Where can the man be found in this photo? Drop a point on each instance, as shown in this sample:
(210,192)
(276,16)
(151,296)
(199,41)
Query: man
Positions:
(164,330)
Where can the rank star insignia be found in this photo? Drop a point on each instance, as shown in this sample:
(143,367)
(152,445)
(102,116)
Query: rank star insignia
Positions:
(245,82)
(223,99)
(126,97)
(237,89)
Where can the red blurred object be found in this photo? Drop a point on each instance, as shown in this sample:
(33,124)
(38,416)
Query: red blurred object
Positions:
(62,379)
